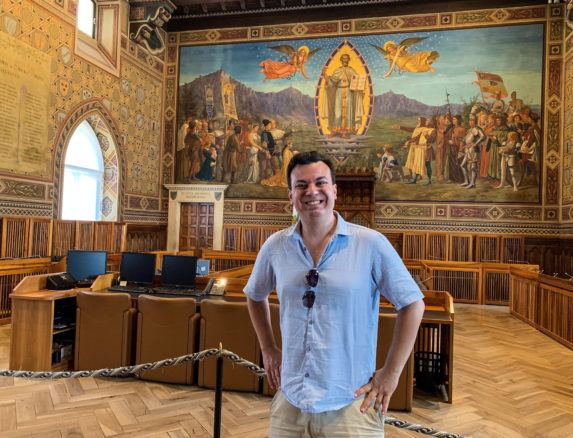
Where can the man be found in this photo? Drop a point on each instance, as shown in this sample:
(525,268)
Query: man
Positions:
(230,155)
(415,162)
(470,164)
(269,144)
(444,134)
(327,275)
(343,106)
(453,172)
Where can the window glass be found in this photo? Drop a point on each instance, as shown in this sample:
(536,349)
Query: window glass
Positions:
(83,176)
(86,16)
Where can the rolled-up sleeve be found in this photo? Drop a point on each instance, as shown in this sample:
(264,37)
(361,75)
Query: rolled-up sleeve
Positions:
(262,279)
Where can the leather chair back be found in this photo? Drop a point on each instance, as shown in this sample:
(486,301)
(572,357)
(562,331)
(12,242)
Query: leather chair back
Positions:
(228,323)
(167,328)
(104,330)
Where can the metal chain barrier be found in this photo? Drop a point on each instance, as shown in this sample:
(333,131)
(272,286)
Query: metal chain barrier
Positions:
(218,352)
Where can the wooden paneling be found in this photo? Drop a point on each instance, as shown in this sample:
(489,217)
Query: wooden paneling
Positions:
(414,246)
(488,248)
(85,235)
(14,237)
(250,239)
(512,249)
(40,239)
(231,238)
(461,248)
(437,246)
(64,236)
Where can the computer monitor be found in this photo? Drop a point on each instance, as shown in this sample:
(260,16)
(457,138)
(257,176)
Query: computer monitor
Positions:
(178,271)
(86,265)
(137,267)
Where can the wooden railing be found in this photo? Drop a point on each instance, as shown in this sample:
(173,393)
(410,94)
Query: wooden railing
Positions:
(11,272)
(223,260)
(32,237)
(467,282)
(545,302)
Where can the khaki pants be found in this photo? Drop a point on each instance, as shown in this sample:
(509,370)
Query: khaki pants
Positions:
(288,421)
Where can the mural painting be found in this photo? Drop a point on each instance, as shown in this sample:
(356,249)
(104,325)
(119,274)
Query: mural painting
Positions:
(438,116)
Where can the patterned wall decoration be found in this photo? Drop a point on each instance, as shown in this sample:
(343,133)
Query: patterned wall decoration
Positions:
(567,153)
(458,216)
(133,102)
(112,169)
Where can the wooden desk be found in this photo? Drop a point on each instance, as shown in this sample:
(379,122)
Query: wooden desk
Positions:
(436,333)
(35,310)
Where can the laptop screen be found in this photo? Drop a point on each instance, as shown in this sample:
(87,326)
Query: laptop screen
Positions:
(86,265)
(137,267)
(179,271)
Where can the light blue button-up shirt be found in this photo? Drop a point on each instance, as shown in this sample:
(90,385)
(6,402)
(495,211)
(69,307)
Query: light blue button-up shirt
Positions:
(329,351)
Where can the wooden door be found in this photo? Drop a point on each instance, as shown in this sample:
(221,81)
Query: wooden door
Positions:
(196,229)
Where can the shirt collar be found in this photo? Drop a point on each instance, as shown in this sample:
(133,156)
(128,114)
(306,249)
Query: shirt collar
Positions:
(341,227)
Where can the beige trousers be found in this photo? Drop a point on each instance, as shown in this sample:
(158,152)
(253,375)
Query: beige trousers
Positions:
(348,422)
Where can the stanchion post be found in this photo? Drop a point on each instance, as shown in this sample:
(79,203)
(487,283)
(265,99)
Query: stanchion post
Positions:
(218,398)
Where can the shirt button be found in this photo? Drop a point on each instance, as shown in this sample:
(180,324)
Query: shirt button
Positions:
(306,375)
(307,348)
(310,322)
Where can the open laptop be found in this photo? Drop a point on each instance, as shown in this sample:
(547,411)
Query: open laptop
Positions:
(178,276)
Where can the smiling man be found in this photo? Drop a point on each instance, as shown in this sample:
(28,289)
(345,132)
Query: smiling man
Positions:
(328,276)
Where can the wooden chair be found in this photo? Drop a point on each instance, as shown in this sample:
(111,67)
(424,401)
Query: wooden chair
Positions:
(104,330)
(167,328)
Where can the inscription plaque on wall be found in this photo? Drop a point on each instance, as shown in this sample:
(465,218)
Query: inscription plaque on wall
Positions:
(24,100)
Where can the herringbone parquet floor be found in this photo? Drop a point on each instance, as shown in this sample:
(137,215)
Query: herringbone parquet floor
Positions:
(510,381)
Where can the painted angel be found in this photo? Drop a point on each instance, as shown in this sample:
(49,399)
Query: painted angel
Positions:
(400,57)
(282,69)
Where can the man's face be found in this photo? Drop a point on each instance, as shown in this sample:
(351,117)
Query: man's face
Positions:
(345,59)
(313,193)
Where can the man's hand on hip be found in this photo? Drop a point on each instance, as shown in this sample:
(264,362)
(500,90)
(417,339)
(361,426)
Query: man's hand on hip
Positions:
(379,389)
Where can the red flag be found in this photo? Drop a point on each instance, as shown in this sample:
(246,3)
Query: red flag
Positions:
(491,84)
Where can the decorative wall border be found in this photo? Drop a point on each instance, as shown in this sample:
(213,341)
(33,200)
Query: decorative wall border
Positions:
(16,208)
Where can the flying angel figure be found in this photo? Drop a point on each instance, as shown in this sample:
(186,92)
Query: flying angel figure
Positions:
(399,56)
(282,69)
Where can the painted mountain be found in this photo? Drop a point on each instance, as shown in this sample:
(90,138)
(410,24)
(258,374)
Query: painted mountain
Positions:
(288,106)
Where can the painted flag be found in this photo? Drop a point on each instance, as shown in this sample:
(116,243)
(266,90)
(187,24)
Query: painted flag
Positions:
(490,84)
(209,100)
(229,99)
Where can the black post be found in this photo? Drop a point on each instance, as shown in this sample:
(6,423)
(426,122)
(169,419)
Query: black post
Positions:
(218,399)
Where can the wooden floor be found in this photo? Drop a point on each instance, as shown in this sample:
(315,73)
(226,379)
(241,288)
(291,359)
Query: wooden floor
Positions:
(510,381)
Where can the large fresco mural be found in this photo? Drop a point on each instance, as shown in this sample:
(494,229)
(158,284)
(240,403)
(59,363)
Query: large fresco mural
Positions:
(440,116)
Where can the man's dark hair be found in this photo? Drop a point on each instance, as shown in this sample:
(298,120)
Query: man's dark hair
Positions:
(238,129)
(308,158)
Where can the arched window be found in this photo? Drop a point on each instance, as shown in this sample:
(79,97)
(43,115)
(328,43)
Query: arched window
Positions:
(83,176)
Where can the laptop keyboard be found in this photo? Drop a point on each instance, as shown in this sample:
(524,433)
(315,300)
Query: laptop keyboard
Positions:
(178,291)
(131,289)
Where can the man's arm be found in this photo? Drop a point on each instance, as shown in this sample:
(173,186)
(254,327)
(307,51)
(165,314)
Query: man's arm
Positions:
(385,380)
(272,355)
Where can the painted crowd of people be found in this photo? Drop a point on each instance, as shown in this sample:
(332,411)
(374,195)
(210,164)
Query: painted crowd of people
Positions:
(245,152)
(499,143)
